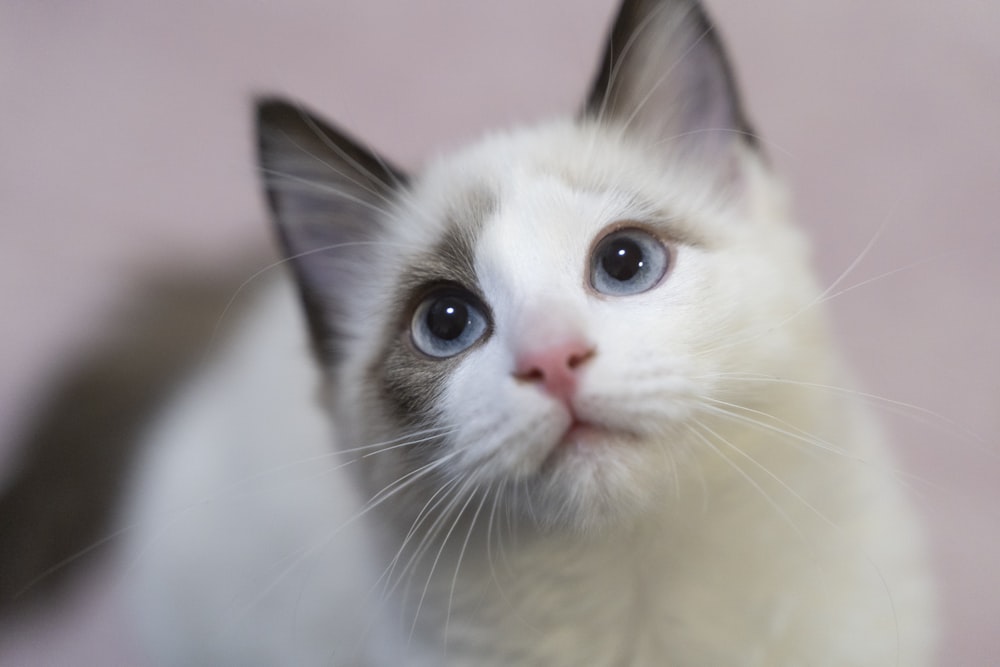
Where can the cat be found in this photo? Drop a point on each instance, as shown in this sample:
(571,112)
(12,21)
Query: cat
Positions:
(563,402)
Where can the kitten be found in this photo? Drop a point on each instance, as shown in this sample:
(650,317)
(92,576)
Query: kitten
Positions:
(578,378)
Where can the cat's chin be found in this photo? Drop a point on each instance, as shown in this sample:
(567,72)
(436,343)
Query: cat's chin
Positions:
(596,478)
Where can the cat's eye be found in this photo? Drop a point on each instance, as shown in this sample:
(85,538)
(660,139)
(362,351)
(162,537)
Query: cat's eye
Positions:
(628,261)
(448,321)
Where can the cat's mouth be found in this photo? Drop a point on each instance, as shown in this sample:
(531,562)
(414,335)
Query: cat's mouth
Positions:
(584,437)
(583,433)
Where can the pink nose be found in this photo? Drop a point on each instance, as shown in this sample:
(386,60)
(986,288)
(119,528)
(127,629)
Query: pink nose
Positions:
(554,367)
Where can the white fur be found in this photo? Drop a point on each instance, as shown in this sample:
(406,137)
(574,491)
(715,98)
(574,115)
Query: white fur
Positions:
(702,540)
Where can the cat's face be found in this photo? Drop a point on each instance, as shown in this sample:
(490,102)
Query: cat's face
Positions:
(559,305)
(543,318)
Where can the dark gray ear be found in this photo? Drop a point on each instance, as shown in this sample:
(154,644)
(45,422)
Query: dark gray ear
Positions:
(329,198)
(665,74)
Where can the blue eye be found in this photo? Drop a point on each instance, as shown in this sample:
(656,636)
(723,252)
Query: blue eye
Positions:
(446,322)
(628,261)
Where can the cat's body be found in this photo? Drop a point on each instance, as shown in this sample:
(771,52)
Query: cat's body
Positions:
(596,462)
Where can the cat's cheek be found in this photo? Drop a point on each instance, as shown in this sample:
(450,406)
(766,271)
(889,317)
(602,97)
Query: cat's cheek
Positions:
(503,431)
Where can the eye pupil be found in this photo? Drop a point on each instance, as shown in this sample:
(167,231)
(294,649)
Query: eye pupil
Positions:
(447,321)
(623,260)
(628,261)
(447,318)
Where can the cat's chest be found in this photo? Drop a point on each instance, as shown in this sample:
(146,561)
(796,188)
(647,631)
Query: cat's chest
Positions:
(548,606)
(676,598)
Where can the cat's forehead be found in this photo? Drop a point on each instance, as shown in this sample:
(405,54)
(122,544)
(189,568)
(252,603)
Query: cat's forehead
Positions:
(582,156)
(560,182)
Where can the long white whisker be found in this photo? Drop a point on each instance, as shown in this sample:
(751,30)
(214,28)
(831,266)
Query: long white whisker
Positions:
(273,265)
(426,511)
(792,431)
(461,556)
(431,532)
(806,503)
(430,575)
(887,274)
(820,298)
(297,558)
(750,480)
(396,184)
(663,77)
(277,178)
(729,130)
(803,437)
(622,57)
(875,399)
(228,492)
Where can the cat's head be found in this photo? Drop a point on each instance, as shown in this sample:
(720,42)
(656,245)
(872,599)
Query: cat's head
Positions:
(543,317)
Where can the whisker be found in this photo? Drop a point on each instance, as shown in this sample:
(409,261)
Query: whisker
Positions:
(277,178)
(461,556)
(750,480)
(437,557)
(425,512)
(795,432)
(411,476)
(936,418)
(806,438)
(213,338)
(730,130)
(820,298)
(432,433)
(300,555)
(385,578)
(489,538)
(498,499)
(622,57)
(308,120)
(886,274)
(72,558)
(426,540)
(805,502)
(663,77)
(225,493)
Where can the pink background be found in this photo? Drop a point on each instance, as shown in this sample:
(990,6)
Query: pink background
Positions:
(125,144)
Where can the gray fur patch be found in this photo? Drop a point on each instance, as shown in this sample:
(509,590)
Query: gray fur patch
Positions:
(411,383)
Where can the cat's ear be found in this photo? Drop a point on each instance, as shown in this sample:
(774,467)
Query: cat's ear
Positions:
(665,75)
(329,197)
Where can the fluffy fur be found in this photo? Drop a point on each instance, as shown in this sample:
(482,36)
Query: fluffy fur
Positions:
(725,504)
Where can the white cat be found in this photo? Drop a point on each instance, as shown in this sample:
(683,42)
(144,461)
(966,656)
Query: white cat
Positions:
(580,386)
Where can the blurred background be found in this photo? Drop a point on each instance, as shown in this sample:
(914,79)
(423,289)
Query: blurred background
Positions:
(126,150)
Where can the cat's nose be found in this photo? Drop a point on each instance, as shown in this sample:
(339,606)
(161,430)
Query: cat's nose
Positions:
(554,367)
